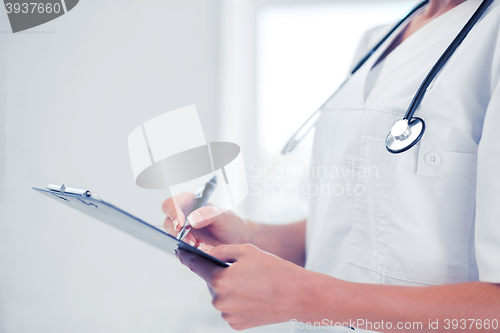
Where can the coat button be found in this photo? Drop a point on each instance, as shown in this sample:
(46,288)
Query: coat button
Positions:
(432,159)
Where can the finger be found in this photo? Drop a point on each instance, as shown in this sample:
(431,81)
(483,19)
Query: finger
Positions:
(199,243)
(190,239)
(230,253)
(178,206)
(172,227)
(204,216)
(200,266)
(205,248)
(169,227)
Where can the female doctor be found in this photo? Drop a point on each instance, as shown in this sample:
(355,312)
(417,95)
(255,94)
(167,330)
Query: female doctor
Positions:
(422,244)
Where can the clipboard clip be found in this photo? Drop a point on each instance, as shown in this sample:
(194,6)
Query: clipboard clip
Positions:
(69,190)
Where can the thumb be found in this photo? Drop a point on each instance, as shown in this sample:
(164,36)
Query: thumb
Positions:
(229,253)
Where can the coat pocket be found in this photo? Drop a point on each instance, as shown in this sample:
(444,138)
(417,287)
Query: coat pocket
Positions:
(410,224)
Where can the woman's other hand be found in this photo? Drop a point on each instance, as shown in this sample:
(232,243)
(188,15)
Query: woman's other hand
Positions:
(257,289)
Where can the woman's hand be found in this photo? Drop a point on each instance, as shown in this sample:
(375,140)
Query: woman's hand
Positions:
(257,289)
(210,224)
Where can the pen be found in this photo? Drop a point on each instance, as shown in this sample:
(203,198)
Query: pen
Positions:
(200,200)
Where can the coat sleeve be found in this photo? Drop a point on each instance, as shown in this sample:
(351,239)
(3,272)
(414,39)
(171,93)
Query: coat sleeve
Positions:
(487,228)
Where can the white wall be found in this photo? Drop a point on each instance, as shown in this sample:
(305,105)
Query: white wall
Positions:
(70,93)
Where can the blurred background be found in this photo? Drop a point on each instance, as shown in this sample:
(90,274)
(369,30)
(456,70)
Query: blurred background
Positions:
(73,89)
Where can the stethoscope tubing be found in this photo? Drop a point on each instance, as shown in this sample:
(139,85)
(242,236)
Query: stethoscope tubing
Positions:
(419,95)
(301,133)
(438,66)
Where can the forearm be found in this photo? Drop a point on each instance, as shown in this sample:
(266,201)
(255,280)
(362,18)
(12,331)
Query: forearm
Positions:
(286,241)
(328,298)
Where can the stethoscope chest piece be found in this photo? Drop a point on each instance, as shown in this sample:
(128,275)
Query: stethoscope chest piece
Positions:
(404,135)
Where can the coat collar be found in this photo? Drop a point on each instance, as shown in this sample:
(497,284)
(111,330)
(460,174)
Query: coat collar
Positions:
(448,24)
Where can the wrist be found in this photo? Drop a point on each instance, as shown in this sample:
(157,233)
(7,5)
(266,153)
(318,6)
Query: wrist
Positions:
(303,287)
(320,297)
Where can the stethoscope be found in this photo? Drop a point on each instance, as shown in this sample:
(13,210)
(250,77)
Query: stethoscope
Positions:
(406,132)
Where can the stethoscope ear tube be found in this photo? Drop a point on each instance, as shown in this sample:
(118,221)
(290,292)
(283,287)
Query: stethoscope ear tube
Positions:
(301,132)
(306,127)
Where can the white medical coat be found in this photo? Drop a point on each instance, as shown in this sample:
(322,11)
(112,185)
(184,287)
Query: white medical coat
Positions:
(430,215)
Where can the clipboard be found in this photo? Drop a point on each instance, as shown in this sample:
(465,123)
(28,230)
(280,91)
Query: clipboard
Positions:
(93,205)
